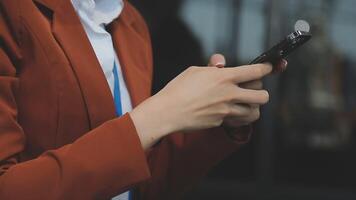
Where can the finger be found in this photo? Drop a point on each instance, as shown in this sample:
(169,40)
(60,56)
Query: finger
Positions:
(240,110)
(217,60)
(252,85)
(248,72)
(281,66)
(252,116)
(247,96)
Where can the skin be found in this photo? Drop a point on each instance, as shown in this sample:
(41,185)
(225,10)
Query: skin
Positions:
(202,98)
(219,61)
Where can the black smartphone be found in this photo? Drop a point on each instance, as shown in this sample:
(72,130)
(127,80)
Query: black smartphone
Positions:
(284,48)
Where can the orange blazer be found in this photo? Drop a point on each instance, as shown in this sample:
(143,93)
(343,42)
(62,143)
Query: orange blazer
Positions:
(59,137)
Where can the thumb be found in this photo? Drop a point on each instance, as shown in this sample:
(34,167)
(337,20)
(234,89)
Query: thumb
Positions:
(217,60)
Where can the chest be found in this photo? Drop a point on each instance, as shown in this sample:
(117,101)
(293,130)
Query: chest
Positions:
(63,90)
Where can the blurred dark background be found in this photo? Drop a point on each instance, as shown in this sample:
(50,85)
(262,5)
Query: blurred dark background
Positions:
(304,146)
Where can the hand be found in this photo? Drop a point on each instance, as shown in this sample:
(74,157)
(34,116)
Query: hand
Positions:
(219,61)
(200,98)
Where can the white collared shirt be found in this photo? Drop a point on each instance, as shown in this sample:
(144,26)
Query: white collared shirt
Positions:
(95,15)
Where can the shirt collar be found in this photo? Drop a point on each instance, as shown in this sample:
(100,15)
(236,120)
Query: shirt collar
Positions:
(101,12)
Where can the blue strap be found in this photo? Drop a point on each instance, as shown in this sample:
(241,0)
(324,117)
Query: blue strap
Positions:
(117,95)
(130,195)
(117,100)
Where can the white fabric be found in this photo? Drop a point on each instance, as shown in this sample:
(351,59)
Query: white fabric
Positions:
(94,15)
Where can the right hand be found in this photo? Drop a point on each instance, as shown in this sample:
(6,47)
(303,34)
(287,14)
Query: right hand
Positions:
(199,98)
(233,123)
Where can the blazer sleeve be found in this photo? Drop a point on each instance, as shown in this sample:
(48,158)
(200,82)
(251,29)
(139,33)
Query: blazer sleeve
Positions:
(181,160)
(104,162)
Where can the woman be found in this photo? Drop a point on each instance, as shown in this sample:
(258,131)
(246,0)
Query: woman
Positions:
(70,74)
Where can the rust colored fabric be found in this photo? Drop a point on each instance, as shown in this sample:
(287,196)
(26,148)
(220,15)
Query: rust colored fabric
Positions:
(59,138)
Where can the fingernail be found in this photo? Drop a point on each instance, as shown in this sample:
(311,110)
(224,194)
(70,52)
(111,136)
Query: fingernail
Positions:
(220,65)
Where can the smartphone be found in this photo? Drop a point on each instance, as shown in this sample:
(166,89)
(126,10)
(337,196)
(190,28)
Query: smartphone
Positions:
(284,48)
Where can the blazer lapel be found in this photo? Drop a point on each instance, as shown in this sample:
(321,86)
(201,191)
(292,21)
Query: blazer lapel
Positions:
(134,53)
(69,33)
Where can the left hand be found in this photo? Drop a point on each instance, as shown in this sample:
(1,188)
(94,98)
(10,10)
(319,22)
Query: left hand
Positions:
(218,60)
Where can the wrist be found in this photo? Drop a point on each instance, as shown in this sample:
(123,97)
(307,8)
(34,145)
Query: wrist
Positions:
(152,121)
